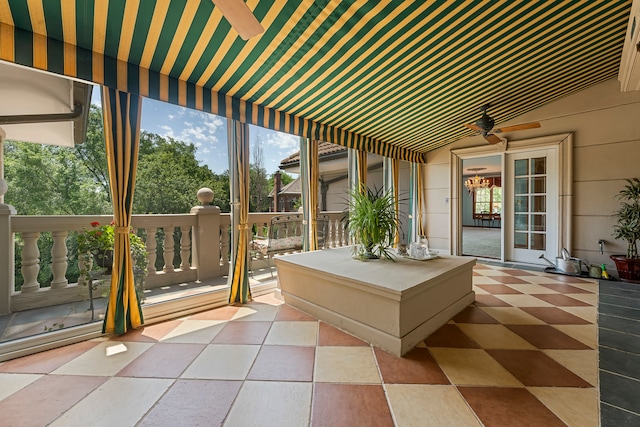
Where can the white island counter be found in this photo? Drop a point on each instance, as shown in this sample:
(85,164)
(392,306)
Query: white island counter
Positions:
(393,305)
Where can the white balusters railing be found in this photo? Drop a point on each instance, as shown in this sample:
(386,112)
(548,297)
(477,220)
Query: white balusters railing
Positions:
(203,250)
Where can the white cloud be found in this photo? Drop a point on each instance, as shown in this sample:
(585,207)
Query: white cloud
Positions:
(283,142)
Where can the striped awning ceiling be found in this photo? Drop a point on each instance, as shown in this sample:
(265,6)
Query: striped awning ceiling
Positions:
(394,77)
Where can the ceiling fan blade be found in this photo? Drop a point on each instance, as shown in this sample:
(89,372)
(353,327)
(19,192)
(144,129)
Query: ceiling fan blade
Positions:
(522,126)
(240,17)
(474,127)
(492,139)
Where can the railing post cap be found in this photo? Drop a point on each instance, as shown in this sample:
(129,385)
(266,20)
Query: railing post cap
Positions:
(7,209)
(208,210)
(205,196)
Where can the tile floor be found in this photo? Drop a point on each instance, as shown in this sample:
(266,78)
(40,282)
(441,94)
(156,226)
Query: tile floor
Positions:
(524,354)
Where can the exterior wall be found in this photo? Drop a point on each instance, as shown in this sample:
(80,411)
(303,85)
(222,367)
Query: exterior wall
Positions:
(606,146)
(338,192)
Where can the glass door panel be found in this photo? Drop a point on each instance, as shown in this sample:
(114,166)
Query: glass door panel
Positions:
(531,204)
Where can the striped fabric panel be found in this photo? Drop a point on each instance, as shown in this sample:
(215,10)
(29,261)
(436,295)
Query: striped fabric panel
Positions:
(121,113)
(394,78)
(240,291)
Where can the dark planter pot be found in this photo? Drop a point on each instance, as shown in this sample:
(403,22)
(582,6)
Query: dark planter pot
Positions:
(628,268)
(104,260)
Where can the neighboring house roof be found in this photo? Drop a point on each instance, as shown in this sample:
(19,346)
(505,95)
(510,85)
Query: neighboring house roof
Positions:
(326,150)
(293,188)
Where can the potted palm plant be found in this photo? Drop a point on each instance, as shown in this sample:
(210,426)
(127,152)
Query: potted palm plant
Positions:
(628,229)
(372,223)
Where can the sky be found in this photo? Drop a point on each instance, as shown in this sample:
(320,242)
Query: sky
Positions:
(208,133)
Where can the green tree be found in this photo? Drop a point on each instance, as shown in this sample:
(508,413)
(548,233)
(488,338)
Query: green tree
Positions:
(258,183)
(169,176)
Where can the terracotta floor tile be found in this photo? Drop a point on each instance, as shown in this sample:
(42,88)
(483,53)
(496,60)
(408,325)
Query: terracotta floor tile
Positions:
(555,316)
(12,383)
(524,300)
(490,301)
(151,333)
(348,405)
(494,336)
(329,335)
(162,360)
(287,312)
(535,368)
(499,289)
(561,300)
(267,299)
(484,280)
(271,403)
(47,361)
(194,331)
(515,272)
(465,366)
(574,406)
(512,316)
(429,405)
(589,313)
(44,400)
(451,336)
(256,312)
(193,403)
(583,363)
(547,337)
(513,407)
(221,313)
(242,333)
(532,288)
(508,280)
(129,400)
(569,279)
(415,367)
(105,359)
(587,334)
(283,363)
(589,298)
(564,288)
(481,267)
(473,314)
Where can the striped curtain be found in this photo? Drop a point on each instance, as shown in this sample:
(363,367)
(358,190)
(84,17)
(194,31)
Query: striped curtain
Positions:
(421,231)
(238,139)
(309,175)
(391,169)
(362,170)
(121,112)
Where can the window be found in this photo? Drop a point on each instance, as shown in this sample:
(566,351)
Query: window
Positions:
(488,200)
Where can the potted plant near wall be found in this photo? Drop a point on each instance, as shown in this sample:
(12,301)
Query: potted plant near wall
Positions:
(628,229)
(96,244)
(372,223)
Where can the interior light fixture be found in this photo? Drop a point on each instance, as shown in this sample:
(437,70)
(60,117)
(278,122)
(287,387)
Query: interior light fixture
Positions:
(472,184)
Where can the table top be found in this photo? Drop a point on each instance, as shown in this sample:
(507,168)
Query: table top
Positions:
(398,276)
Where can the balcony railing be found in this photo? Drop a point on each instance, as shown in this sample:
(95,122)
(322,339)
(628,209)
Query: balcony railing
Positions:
(186,248)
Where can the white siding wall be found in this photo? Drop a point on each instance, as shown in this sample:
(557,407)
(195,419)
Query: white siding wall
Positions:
(606,136)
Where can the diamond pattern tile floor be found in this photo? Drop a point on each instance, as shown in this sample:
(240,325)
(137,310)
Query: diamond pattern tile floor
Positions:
(523,354)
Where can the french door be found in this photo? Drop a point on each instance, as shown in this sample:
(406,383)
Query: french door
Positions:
(531,207)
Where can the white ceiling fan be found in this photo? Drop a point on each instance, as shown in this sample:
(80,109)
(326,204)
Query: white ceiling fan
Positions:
(240,17)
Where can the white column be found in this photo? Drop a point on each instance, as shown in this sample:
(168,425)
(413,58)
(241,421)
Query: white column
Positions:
(30,262)
(59,260)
